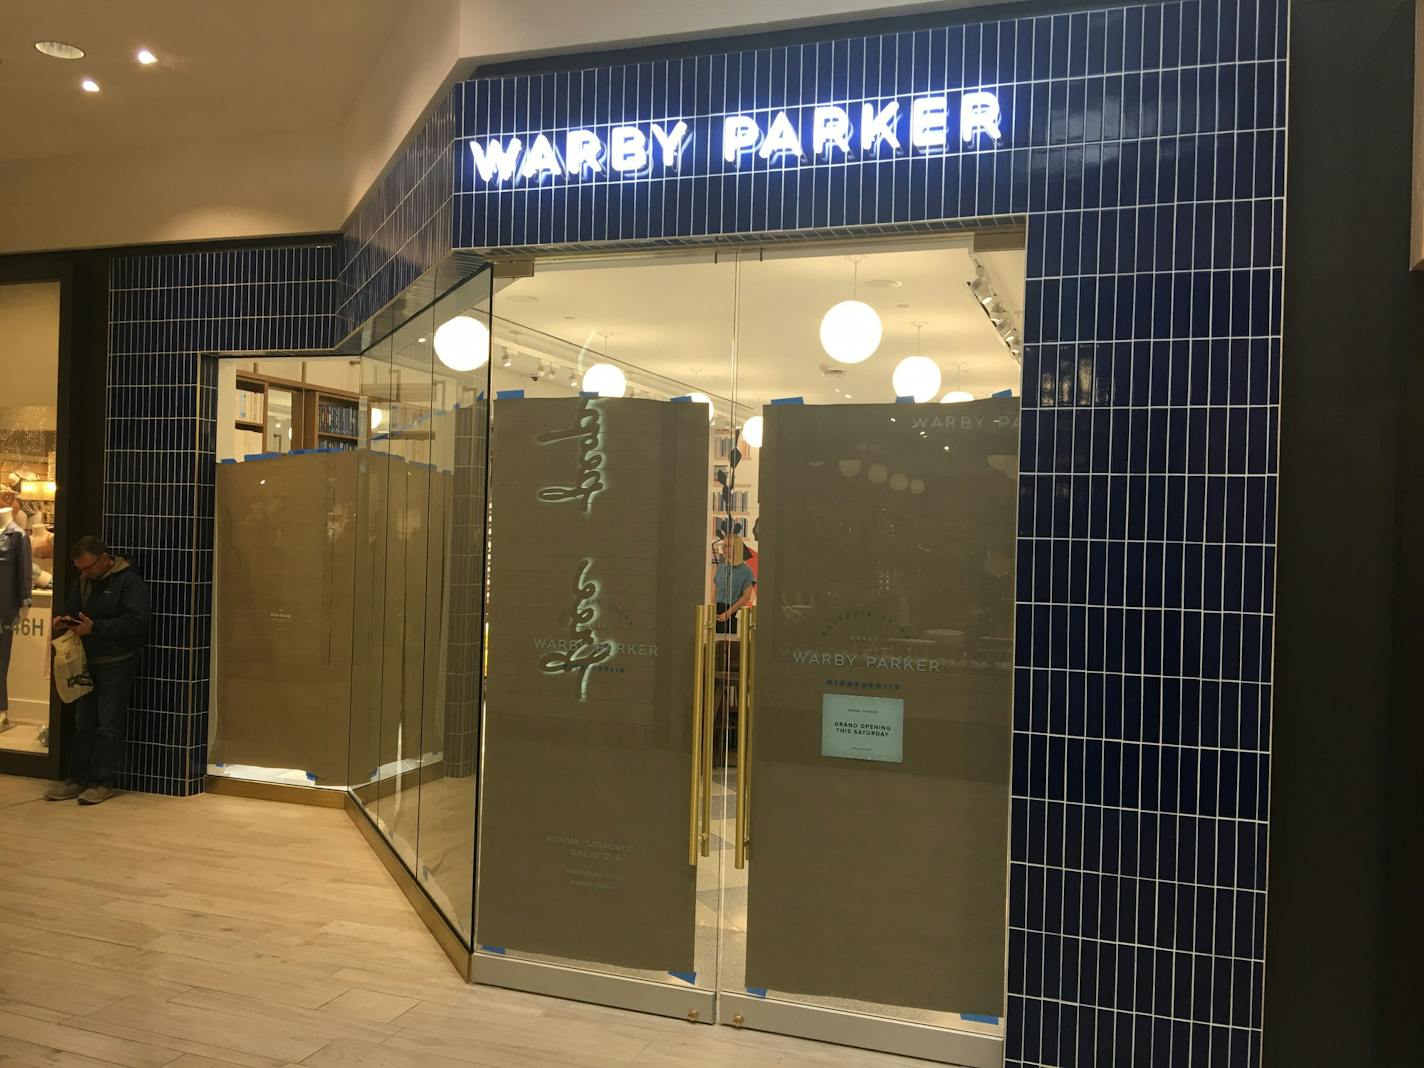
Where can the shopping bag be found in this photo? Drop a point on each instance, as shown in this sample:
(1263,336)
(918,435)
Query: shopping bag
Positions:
(71,669)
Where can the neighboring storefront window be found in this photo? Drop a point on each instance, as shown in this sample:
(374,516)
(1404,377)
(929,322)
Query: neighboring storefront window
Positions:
(29,332)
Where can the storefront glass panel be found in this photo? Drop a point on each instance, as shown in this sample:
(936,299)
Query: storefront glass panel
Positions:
(595,852)
(867,517)
(29,325)
(349,581)
(870,678)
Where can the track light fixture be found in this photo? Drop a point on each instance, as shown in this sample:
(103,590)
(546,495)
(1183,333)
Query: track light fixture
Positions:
(998,314)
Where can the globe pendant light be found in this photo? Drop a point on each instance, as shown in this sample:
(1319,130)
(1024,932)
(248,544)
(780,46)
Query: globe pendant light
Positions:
(957,396)
(753,431)
(702,398)
(917,376)
(462,344)
(850,330)
(606,380)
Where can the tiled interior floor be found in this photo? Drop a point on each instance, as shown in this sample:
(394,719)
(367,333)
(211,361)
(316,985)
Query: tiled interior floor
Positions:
(217,931)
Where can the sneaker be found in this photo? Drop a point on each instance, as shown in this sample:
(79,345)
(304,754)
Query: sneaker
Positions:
(96,795)
(63,791)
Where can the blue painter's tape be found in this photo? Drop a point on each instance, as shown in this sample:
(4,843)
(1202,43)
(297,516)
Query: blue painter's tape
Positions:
(588,393)
(974,1017)
(789,400)
(509,394)
(681,400)
(904,400)
(227,461)
(494,949)
(1001,393)
(262,456)
(757,991)
(690,978)
(311,777)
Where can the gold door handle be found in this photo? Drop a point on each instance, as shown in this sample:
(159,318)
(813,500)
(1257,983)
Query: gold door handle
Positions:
(699,652)
(746,701)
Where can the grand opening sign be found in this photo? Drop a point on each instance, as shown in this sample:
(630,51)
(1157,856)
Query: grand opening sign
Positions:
(827,132)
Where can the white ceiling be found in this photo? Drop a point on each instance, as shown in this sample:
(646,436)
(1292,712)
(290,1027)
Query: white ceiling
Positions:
(671,324)
(254,67)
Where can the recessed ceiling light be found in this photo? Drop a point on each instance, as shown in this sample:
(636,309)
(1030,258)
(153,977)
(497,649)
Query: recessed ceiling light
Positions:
(902,307)
(882,283)
(89,85)
(521,298)
(421,340)
(146,57)
(59,50)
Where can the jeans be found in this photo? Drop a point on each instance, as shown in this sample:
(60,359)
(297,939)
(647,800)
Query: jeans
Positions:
(100,719)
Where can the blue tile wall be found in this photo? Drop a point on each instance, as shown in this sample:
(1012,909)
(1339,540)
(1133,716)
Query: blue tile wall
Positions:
(402,226)
(167,312)
(1144,151)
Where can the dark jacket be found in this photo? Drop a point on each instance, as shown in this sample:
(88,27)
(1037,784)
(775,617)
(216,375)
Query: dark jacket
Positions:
(16,575)
(118,604)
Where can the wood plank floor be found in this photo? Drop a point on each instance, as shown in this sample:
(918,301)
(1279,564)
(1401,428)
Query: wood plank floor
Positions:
(217,931)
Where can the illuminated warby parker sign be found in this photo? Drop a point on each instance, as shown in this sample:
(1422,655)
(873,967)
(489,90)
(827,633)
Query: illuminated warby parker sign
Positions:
(829,133)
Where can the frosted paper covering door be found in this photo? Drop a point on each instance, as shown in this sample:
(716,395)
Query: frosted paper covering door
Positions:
(598,507)
(283,567)
(880,753)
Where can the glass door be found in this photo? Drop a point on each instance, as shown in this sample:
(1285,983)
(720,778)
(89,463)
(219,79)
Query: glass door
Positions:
(864,692)
(598,877)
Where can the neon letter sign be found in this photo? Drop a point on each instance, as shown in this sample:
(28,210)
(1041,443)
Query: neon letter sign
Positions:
(583,151)
(879,125)
(929,122)
(496,157)
(671,142)
(540,160)
(739,133)
(830,128)
(979,113)
(627,149)
(782,139)
(895,127)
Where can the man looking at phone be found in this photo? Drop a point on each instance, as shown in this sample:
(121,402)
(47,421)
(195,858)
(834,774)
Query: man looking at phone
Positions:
(108,608)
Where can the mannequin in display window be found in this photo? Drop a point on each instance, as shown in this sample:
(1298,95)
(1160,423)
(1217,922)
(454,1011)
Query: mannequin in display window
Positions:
(16,582)
(11,491)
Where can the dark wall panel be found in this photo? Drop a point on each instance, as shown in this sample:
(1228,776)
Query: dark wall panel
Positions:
(1346,843)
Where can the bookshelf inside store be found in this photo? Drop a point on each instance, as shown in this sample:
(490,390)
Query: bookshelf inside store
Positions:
(335,419)
(286,406)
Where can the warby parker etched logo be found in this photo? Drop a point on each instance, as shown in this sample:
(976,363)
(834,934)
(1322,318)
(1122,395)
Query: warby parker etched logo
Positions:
(587,431)
(582,651)
(829,132)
